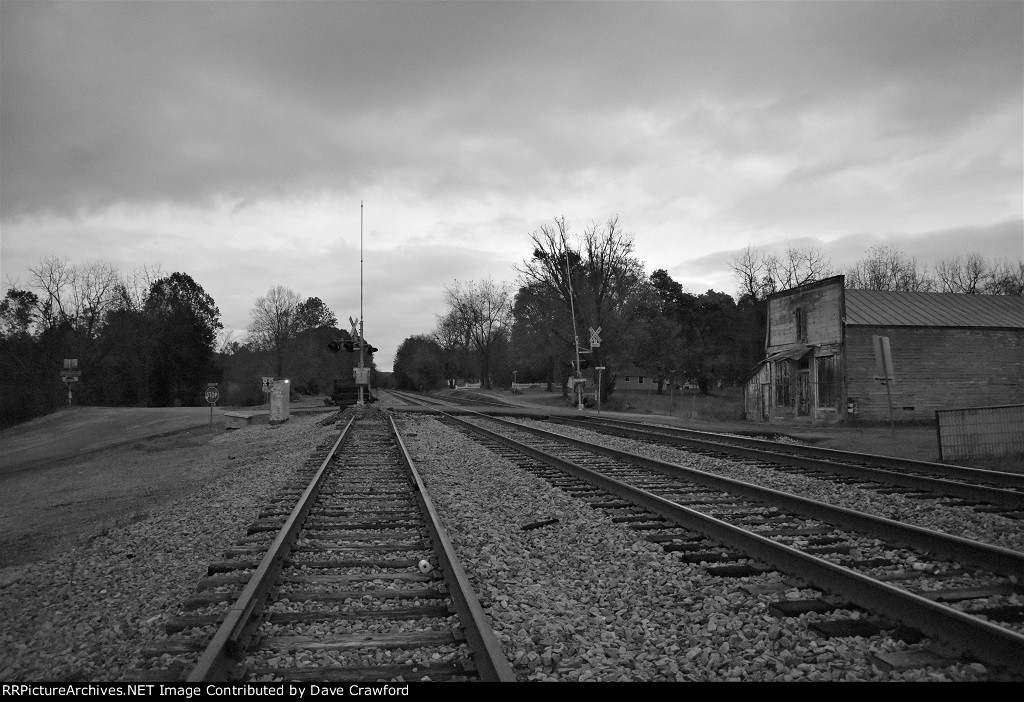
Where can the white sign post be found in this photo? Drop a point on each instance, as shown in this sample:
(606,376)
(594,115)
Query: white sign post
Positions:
(600,369)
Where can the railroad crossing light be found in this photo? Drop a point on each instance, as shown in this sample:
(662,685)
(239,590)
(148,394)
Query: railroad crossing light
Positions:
(371,349)
(349,346)
(334,346)
(584,363)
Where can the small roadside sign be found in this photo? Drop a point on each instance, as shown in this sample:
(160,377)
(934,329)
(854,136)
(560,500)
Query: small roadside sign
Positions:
(268,383)
(212,394)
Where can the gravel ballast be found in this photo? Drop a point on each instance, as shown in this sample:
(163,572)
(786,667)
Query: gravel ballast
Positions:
(587,599)
(581,598)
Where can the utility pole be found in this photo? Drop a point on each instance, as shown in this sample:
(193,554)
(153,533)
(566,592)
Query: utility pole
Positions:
(576,386)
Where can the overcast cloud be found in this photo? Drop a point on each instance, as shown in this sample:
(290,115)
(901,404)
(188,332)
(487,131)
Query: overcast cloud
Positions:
(234,141)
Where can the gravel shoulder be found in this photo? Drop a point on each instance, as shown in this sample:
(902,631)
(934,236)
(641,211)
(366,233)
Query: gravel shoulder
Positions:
(91,581)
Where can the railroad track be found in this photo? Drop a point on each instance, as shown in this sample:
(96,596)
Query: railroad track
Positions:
(455,401)
(1000,490)
(350,577)
(873,575)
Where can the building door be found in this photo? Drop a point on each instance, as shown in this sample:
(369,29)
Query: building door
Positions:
(766,397)
(803,393)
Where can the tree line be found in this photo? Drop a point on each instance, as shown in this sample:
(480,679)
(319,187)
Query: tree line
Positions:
(496,333)
(151,339)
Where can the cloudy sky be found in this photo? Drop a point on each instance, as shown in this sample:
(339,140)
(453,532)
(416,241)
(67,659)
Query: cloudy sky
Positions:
(234,141)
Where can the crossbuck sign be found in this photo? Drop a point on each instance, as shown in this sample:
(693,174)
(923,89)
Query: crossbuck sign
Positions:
(595,337)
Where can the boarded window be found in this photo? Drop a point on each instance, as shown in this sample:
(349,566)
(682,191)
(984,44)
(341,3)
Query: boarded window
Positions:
(828,381)
(800,317)
(783,383)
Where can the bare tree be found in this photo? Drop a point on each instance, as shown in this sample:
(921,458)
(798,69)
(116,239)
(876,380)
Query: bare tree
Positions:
(598,279)
(75,295)
(759,274)
(1007,278)
(274,321)
(483,313)
(885,268)
(455,341)
(966,274)
(135,286)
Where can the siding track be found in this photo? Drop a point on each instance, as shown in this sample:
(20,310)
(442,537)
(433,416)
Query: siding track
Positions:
(908,579)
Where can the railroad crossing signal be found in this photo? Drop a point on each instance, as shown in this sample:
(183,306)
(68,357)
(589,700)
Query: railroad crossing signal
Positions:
(595,337)
(267,384)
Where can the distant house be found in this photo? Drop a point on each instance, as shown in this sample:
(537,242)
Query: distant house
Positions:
(634,378)
(948,350)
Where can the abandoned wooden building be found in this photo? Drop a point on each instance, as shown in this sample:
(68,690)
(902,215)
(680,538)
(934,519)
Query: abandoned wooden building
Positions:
(947,351)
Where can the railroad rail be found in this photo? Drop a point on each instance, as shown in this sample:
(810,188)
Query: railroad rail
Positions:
(358,582)
(459,401)
(823,457)
(960,592)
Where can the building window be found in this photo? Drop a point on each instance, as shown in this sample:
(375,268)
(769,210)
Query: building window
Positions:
(641,381)
(627,378)
(800,316)
(828,385)
(783,381)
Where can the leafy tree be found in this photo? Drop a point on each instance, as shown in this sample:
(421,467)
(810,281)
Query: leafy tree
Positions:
(710,342)
(184,328)
(18,313)
(541,335)
(312,314)
(419,364)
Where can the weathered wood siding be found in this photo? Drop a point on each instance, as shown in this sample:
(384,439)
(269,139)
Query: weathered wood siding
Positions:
(935,368)
(823,306)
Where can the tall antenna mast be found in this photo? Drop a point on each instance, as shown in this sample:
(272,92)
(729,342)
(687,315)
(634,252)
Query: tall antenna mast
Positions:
(362,337)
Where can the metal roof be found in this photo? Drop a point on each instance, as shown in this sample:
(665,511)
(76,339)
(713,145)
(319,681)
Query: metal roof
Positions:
(919,309)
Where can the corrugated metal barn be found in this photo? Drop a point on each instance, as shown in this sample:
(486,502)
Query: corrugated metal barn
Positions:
(947,350)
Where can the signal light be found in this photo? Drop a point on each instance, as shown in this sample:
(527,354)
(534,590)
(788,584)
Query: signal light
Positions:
(349,346)
(371,349)
(334,346)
